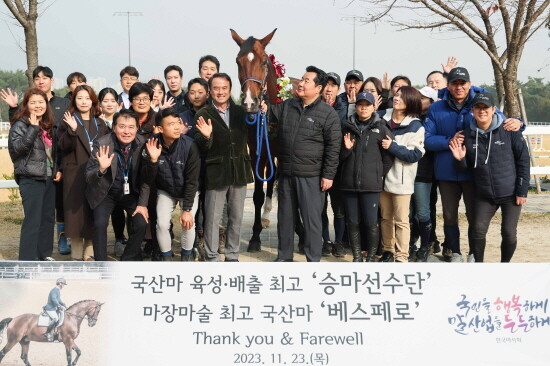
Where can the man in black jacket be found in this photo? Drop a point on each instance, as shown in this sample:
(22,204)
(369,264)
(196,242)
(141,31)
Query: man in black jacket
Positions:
(352,85)
(114,178)
(309,147)
(43,80)
(175,163)
(222,134)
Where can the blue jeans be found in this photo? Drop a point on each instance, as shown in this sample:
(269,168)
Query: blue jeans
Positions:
(421,200)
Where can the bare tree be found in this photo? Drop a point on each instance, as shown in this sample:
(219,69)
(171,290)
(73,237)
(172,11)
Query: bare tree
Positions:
(501,28)
(26,14)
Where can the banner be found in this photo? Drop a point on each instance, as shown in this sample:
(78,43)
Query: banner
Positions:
(279,313)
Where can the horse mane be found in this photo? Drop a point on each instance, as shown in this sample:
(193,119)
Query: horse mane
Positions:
(247,46)
(76,303)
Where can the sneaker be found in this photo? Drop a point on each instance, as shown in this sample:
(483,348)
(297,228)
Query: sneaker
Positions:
(422,254)
(48,259)
(327,248)
(387,257)
(301,249)
(457,258)
(471,258)
(338,250)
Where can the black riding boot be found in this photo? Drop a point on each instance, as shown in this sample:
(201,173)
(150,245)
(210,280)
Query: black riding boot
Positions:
(354,239)
(373,237)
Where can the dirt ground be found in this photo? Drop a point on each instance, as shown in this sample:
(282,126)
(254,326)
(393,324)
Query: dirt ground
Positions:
(533,231)
(29,296)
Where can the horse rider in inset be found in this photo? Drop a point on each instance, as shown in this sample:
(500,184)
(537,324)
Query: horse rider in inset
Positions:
(55,308)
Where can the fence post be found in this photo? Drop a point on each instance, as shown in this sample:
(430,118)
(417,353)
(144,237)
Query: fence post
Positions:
(526,121)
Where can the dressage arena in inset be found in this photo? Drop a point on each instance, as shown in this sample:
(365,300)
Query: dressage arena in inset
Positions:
(25,290)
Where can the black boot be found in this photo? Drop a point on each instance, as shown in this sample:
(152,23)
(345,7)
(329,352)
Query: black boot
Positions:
(354,239)
(479,249)
(425,233)
(373,235)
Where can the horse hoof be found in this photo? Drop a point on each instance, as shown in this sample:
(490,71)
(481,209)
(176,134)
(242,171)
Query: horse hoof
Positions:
(254,246)
(265,223)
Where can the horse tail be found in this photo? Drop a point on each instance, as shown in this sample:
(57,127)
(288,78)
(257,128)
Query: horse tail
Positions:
(3,324)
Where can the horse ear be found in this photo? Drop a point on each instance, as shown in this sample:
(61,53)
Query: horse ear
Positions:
(236,38)
(265,41)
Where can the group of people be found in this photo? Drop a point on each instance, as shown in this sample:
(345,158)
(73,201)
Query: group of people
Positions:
(380,150)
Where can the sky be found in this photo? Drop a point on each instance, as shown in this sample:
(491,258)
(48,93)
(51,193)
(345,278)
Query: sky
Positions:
(85,36)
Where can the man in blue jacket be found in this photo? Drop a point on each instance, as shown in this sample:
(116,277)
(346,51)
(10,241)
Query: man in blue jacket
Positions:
(446,120)
(55,308)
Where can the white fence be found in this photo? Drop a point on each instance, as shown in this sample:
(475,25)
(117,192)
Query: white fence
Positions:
(46,272)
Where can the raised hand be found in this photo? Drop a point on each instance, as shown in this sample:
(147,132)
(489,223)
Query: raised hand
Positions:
(348,142)
(351,97)
(103,158)
(377,102)
(9,97)
(154,149)
(205,128)
(33,120)
(451,64)
(120,106)
(386,81)
(386,143)
(167,103)
(70,121)
(458,149)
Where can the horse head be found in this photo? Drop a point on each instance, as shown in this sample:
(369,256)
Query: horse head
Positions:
(253,65)
(93,312)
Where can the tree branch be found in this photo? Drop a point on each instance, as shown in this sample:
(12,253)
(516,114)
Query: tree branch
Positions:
(22,20)
(505,20)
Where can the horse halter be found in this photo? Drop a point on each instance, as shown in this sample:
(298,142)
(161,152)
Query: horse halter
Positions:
(262,83)
(85,315)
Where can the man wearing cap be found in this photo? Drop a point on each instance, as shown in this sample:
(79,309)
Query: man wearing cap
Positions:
(446,121)
(330,96)
(499,162)
(55,308)
(352,84)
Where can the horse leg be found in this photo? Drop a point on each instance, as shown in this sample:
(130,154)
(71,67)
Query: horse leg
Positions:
(7,348)
(25,350)
(78,353)
(255,243)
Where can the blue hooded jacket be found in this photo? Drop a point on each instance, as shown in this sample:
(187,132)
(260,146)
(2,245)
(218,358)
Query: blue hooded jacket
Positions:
(442,123)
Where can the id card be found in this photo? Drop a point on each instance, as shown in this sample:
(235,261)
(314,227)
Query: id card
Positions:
(126,186)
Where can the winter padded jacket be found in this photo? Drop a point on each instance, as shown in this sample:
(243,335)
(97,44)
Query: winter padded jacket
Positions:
(363,167)
(309,138)
(498,160)
(408,149)
(28,152)
(443,121)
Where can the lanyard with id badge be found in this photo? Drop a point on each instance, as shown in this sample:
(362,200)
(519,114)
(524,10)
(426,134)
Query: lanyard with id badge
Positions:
(90,140)
(125,170)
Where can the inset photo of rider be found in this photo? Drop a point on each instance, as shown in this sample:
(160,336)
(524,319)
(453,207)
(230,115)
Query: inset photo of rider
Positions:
(49,313)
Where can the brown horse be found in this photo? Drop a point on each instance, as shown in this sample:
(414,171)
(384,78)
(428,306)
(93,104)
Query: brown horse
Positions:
(258,78)
(24,329)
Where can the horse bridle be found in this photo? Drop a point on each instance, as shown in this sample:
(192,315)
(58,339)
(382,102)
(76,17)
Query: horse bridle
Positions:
(262,83)
(84,317)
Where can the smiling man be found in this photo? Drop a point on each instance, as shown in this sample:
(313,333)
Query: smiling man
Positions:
(446,121)
(309,147)
(222,134)
(113,175)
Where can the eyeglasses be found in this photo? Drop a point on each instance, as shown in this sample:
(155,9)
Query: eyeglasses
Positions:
(132,78)
(140,100)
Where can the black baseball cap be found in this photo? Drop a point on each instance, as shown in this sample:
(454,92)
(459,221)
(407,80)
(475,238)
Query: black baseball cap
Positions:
(335,77)
(354,74)
(484,98)
(458,73)
(365,96)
